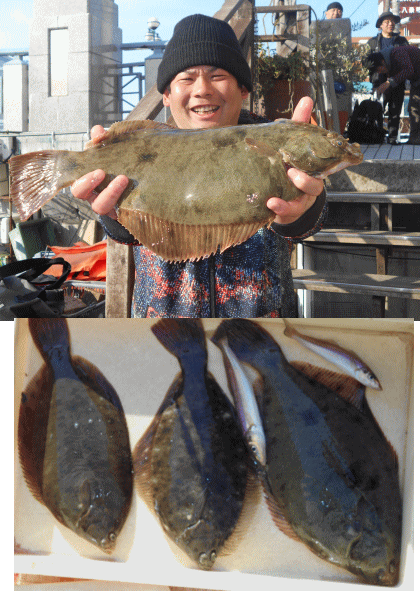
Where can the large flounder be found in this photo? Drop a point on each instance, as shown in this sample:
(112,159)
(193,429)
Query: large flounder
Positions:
(191,465)
(191,191)
(330,476)
(73,440)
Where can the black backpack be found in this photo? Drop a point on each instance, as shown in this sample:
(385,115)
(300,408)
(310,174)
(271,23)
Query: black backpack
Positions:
(366,123)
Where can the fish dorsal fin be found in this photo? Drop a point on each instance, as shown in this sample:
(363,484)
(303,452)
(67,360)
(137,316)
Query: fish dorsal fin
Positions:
(121,128)
(181,242)
(278,516)
(345,386)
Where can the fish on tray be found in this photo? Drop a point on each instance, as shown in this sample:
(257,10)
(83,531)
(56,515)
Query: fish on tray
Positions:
(191,465)
(73,440)
(191,191)
(348,361)
(331,477)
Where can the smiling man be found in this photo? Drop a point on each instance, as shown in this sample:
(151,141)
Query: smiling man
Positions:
(204,80)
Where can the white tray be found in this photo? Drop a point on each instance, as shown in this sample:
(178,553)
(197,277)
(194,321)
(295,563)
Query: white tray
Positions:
(141,370)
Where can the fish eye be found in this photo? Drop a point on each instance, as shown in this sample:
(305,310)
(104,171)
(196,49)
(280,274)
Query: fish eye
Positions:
(339,143)
(213,555)
(112,537)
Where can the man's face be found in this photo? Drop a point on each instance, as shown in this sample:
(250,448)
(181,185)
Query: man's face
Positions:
(204,97)
(333,13)
(387,26)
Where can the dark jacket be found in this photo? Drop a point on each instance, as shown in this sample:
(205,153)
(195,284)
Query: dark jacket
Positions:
(375,46)
(250,280)
(375,42)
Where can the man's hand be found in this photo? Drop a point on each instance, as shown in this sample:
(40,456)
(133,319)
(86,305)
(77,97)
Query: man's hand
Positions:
(383,88)
(84,188)
(289,211)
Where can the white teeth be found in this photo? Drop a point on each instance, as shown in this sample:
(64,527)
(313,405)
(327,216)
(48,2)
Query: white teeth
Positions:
(205,109)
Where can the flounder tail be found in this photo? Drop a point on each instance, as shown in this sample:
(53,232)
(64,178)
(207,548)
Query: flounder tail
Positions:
(181,337)
(34,180)
(49,333)
(245,338)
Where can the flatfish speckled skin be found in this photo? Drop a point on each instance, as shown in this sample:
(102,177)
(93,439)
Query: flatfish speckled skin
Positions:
(191,191)
(191,465)
(73,440)
(331,477)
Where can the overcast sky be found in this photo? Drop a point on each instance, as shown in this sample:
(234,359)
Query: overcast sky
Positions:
(134,14)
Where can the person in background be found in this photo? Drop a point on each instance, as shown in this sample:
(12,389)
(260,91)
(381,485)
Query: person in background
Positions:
(204,79)
(334,10)
(399,64)
(394,95)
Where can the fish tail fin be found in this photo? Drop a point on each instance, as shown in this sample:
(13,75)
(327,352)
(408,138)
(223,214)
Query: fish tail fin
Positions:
(34,180)
(246,338)
(48,333)
(181,337)
(289,331)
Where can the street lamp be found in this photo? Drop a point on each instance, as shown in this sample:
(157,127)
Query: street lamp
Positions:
(151,34)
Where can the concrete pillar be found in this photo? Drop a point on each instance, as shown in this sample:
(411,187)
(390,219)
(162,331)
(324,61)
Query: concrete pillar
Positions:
(73,82)
(15,95)
(331,29)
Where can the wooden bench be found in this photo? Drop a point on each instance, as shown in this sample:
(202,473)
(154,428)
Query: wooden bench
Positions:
(375,285)
(381,204)
(379,285)
(369,237)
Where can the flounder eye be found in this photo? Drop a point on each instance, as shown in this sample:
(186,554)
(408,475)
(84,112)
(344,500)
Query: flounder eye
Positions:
(112,537)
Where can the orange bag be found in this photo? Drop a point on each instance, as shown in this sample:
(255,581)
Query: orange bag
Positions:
(87,262)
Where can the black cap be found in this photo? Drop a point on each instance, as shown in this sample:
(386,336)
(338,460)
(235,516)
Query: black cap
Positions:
(200,40)
(385,15)
(335,5)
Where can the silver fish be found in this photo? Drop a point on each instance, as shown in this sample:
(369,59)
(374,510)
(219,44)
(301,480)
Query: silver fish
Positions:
(346,360)
(246,405)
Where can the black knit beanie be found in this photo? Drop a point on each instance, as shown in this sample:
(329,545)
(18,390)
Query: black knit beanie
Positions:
(335,5)
(200,40)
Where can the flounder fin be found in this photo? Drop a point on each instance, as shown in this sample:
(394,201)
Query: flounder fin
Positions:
(182,242)
(48,333)
(142,453)
(32,428)
(345,386)
(34,180)
(121,128)
(262,148)
(92,377)
(278,516)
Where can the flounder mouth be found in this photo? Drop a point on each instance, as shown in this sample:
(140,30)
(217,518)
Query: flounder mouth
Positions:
(335,168)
